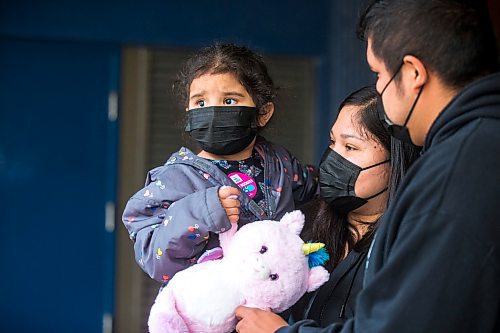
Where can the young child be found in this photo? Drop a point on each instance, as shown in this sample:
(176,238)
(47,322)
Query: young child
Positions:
(237,177)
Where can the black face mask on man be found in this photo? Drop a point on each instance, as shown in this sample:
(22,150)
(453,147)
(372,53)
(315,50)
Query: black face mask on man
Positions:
(337,178)
(223,130)
(400,132)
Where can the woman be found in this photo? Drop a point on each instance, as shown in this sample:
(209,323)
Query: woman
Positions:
(359,174)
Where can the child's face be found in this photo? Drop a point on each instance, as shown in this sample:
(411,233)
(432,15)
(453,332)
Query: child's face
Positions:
(218,90)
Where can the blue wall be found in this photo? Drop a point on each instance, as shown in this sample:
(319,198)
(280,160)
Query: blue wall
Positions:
(291,27)
(347,69)
(59,60)
(56,149)
(294,27)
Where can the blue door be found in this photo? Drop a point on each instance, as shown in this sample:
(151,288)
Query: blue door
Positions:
(57,185)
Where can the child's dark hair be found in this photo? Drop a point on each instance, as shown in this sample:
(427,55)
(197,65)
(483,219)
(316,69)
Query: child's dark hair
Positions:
(248,67)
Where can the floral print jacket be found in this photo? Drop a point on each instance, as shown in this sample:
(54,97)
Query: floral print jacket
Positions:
(176,217)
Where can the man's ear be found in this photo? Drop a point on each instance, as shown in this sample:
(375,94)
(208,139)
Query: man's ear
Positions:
(416,70)
(266,113)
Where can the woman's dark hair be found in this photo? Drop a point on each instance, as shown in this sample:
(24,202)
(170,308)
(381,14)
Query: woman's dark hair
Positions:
(453,38)
(326,225)
(248,67)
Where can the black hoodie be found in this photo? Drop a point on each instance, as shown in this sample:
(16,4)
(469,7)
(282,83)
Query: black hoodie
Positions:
(435,261)
(335,301)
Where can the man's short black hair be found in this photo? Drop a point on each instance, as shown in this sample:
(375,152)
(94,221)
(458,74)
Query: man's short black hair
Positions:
(454,39)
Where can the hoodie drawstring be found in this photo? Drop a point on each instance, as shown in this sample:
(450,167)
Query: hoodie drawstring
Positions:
(348,294)
(358,264)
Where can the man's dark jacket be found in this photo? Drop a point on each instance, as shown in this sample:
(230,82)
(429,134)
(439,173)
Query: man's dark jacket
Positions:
(435,261)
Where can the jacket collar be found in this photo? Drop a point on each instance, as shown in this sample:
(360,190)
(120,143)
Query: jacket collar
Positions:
(479,99)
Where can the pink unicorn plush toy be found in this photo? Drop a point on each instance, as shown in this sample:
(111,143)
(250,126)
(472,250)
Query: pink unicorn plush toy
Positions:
(264,266)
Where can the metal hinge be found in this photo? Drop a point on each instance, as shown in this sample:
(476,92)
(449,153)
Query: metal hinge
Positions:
(109,222)
(107,323)
(113,106)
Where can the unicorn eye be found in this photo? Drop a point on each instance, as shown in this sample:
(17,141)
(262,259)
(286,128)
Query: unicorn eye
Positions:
(274,277)
(263,249)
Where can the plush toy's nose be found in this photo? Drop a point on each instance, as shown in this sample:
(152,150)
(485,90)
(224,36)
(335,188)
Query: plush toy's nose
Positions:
(258,266)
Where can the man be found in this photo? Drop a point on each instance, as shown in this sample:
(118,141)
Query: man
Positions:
(434,265)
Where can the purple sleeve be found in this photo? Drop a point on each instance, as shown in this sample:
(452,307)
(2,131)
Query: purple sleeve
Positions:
(305,181)
(170,233)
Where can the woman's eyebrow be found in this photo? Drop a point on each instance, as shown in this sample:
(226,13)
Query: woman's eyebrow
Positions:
(352,136)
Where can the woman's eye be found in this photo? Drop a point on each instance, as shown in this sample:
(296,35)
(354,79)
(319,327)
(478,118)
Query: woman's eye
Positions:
(263,249)
(274,277)
(229,101)
(350,148)
(200,103)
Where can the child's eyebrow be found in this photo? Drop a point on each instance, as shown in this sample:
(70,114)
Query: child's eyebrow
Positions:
(198,95)
(234,93)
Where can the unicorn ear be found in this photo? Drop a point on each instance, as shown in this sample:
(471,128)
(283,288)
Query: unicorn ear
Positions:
(293,221)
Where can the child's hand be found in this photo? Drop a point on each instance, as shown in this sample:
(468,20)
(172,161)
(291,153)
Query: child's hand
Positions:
(228,197)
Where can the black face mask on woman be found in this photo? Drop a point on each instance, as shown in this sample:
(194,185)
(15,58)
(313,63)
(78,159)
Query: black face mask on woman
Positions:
(337,178)
(223,130)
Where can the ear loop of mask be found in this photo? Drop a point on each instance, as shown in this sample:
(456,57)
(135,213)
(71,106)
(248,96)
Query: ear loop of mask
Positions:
(376,194)
(413,106)
(392,78)
(372,166)
(383,190)
(414,103)
(387,120)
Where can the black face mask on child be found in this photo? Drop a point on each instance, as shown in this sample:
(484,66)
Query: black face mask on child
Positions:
(223,130)
(337,178)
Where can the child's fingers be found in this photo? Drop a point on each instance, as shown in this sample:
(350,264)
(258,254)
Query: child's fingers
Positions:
(228,197)
(232,211)
(229,203)
(228,191)
(233,218)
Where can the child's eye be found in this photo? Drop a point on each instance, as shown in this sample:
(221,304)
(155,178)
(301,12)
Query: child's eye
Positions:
(229,101)
(273,276)
(350,148)
(200,103)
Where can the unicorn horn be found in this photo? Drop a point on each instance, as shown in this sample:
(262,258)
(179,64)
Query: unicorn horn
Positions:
(312,247)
